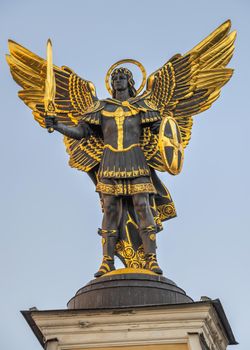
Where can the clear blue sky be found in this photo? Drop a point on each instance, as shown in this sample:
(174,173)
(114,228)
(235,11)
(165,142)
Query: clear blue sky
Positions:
(50,212)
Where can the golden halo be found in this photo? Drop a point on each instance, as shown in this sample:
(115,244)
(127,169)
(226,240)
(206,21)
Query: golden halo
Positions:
(118,63)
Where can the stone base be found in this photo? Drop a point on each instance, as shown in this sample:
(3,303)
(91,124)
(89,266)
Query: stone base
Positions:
(190,326)
(128,288)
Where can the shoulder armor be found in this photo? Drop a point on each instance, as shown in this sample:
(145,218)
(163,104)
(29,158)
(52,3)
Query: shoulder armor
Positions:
(150,113)
(150,104)
(144,102)
(150,116)
(93,115)
(96,107)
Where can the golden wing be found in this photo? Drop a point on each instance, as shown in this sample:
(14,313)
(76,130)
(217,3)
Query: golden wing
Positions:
(149,145)
(84,154)
(188,84)
(73,97)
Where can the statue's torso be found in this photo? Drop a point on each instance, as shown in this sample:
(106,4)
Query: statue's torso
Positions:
(121,124)
(121,127)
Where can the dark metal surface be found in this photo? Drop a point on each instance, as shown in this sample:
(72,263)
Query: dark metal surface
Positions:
(130,290)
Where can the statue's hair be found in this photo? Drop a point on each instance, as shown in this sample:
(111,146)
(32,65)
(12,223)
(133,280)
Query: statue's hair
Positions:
(131,82)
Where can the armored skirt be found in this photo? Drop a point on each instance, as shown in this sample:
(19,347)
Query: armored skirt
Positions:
(124,173)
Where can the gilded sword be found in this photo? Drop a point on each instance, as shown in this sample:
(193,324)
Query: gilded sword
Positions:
(50,85)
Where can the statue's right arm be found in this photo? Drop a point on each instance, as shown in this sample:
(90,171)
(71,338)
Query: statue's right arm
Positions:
(76,132)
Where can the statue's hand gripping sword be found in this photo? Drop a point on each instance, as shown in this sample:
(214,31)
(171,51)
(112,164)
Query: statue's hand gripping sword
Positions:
(50,85)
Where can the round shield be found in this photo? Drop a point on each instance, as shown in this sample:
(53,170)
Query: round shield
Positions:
(170,145)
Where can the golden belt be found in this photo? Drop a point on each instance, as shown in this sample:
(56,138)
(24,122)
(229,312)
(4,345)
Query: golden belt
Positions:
(121,149)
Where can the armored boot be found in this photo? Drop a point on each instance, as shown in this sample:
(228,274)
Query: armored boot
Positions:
(109,239)
(148,236)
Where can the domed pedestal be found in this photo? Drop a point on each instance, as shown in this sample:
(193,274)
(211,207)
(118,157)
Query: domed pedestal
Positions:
(128,288)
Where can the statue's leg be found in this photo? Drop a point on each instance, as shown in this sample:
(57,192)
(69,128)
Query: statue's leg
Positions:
(111,210)
(147,229)
(109,233)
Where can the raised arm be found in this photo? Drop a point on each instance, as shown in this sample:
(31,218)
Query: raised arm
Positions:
(75,132)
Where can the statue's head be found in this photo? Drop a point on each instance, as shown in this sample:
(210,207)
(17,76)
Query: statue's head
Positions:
(122,79)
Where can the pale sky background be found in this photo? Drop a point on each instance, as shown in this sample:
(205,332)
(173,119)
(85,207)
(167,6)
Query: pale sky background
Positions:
(50,212)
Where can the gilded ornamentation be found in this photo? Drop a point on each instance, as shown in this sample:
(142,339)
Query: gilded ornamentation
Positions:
(150,104)
(123,174)
(133,259)
(170,146)
(125,189)
(118,63)
(152,237)
(121,141)
(119,115)
(166,211)
(50,85)
(124,149)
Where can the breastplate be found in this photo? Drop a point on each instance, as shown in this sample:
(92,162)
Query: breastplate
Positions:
(119,115)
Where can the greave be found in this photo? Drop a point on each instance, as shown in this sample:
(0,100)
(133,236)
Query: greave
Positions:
(109,239)
(148,236)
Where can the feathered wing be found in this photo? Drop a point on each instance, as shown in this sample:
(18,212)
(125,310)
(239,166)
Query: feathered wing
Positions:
(84,154)
(74,96)
(188,84)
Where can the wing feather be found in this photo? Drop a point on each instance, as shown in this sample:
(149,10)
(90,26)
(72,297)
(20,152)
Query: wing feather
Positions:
(84,154)
(188,84)
(74,95)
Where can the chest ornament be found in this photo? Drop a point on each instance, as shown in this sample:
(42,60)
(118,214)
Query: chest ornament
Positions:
(119,115)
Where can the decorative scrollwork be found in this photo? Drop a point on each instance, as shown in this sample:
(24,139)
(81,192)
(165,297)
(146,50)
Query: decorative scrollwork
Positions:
(133,259)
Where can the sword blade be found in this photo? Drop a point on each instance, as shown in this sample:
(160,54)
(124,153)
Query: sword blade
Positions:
(50,86)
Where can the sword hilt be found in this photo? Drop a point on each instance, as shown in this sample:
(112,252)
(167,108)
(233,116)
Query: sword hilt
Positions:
(51,114)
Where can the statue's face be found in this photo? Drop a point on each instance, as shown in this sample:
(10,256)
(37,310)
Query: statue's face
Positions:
(120,82)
